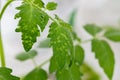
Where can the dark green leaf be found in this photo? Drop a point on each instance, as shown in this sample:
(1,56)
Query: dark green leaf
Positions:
(105,56)
(5,74)
(51,5)
(92,29)
(113,34)
(45,43)
(31,18)
(26,55)
(61,41)
(79,54)
(36,74)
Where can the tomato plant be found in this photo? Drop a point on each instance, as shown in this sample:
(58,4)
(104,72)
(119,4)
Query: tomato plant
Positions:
(68,54)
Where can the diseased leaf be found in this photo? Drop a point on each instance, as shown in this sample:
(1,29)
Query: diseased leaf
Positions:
(31,18)
(105,56)
(92,29)
(61,41)
(5,74)
(113,35)
(26,55)
(79,54)
(36,74)
(45,43)
(51,5)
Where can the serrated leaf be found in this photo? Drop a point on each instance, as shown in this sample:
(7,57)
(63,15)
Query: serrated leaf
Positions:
(105,56)
(51,5)
(5,74)
(31,18)
(63,75)
(92,29)
(113,35)
(61,41)
(26,55)
(36,74)
(45,43)
(79,54)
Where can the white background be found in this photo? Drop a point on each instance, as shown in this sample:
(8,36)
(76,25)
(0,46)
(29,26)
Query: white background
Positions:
(101,12)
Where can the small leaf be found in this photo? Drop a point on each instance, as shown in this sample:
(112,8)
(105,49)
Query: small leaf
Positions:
(75,72)
(105,56)
(26,55)
(36,74)
(72,18)
(92,29)
(31,18)
(63,75)
(113,35)
(5,74)
(51,5)
(45,43)
(53,65)
(79,54)
(39,3)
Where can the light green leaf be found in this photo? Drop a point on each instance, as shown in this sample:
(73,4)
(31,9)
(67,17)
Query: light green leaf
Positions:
(45,43)
(113,35)
(39,3)
(92,29)
(26,55)
(36,74)
(31,18)
(5,74)
(105,56)
(61,41)
(79,54)
(51,5)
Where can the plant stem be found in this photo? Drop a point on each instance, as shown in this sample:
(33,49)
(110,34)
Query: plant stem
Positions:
(2,57)
(44,63)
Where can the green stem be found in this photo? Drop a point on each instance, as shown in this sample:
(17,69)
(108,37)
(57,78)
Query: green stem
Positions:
(2,57)
(44,63)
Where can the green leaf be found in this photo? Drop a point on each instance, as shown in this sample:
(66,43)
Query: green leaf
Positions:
(113,35)
(53,65)
(51,5)
(45,43)
(75,72)
(5,74)
(26,55)
(31,18)
(63,75)
(72,18)
(92,29)
(79,54)
(36,74)
(105,56)
(39,3)
(61,41)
